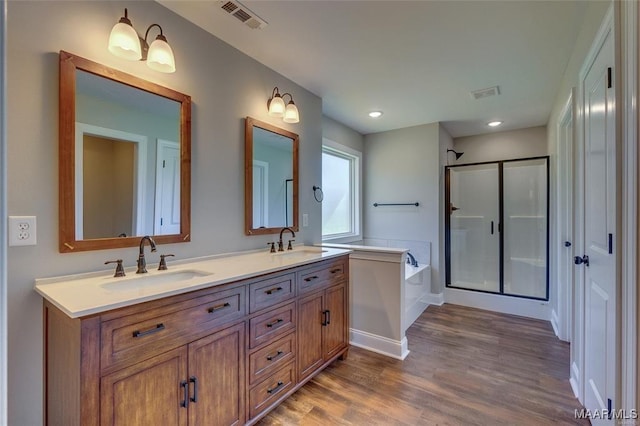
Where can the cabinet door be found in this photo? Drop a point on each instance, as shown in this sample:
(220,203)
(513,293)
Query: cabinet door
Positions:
(217,378)
(147,393)
(335,331)
(310,334)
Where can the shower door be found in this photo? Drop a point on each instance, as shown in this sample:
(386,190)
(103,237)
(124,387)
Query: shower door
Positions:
(473,227)
(497,229)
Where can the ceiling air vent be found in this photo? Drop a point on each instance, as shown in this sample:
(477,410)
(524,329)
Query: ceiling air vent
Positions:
(243,14)
(485,93)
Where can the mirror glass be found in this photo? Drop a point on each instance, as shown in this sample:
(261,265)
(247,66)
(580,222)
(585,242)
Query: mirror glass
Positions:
(271,178)
(125,157)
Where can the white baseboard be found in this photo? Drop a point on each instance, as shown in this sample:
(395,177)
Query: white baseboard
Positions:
(554,323)
(435,299)
(378,344)
(574,380)
(530,308)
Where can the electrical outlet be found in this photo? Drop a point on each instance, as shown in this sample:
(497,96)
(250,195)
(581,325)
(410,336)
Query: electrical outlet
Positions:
(305,220)
(22,230)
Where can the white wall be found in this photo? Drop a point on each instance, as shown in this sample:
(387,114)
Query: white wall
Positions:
(208,70)
(522,143)
(338,132)
(403,166)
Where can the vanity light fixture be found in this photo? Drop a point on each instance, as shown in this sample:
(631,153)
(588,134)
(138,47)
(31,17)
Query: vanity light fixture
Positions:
(494,123)
(375,114)
(125,43)
(458,154)
(277,108)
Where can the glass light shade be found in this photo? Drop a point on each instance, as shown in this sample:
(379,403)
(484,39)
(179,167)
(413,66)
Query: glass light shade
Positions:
(291,113)
(276,106)
(124,42)
(160,56)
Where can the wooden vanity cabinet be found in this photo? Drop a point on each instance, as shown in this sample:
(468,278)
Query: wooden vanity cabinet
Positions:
(201,383)
(224,355)
(323,311)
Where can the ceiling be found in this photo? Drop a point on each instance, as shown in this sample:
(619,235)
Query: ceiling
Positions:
(417,61)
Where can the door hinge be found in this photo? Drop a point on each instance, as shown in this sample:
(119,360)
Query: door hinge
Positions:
(164,162)
(610,243)
(609,78)
(160,221)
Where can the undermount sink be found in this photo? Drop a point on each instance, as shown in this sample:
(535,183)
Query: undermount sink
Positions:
(157,278)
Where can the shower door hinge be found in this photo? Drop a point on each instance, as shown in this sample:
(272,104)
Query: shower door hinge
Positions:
(610,243)
(609,78)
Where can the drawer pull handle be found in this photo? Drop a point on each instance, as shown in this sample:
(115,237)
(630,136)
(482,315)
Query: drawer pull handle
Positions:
(276,389)
(336,270)
(218,307)
(185,388)
(315,277)
(194,380)
(158,327)
(271,324)
(273,290)
(326,317)
(272,357)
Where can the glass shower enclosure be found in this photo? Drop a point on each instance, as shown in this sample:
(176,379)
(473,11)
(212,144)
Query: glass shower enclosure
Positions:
(497,227)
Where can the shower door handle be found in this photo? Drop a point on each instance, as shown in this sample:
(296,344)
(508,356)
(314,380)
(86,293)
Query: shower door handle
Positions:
(491,227)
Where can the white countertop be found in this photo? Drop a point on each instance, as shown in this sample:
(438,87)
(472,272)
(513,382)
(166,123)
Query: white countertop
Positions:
(95,292)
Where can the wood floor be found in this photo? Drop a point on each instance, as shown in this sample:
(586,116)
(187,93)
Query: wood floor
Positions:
(466,367)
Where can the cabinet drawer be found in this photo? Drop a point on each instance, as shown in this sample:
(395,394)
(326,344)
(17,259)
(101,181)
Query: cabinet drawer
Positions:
(270,390)
(265,361)
(270,292)
(322,276)
(135,337)
(274,323)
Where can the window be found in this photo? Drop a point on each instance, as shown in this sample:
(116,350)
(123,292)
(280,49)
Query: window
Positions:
(341,186)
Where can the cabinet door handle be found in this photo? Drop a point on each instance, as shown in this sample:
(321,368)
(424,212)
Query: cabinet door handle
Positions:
(158,327)
(218,307)
(271,324)
(324,318)
(272,357)
(275,389)
(194,380)
(273,290)
(308,279)
(336,270)
(328,316)
(185,388)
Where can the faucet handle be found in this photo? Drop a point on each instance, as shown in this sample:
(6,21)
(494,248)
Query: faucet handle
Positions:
(163,263)
(273,247)
(119,268)
(289,247)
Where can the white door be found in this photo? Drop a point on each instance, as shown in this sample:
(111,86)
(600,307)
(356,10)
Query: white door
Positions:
(167,213)
(600,210)
(260,194)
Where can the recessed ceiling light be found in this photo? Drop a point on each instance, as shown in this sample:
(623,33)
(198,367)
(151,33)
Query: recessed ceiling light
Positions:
(494,123)
(375,114)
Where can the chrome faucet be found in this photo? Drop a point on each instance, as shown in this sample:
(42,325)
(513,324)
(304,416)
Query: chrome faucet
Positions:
(280,244)
(411,260)
(142,264)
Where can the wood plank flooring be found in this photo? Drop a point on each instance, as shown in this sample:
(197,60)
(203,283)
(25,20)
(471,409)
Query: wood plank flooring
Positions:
(466,367)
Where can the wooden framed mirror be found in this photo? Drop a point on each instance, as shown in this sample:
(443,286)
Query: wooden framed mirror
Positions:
(124,159)
(271,178)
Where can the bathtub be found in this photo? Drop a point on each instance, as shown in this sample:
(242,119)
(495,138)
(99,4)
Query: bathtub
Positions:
(386,295)
(417,287)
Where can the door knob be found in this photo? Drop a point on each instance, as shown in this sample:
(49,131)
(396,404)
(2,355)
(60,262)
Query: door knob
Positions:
(567,243)
(580,260)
